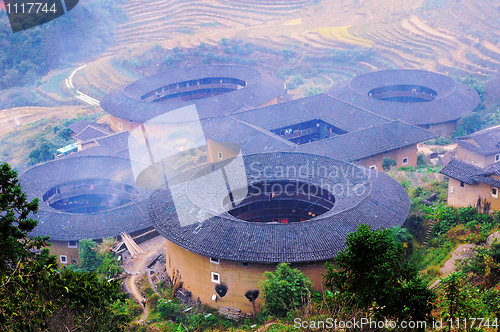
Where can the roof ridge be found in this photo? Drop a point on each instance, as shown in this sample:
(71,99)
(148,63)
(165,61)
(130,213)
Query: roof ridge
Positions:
(264,131)
(361,108)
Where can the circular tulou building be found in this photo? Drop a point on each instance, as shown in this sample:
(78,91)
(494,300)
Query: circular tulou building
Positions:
(421,98)
(85,198)
(214,89)
(295,207)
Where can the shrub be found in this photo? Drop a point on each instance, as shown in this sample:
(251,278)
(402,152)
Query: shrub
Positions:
(167,309)
(388,163)
(421,160)
(153,301)
(285,289)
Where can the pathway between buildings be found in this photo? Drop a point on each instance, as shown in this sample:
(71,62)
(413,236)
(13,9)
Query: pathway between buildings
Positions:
(136,266)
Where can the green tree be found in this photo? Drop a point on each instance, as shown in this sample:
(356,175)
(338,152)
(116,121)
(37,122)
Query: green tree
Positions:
(44,152)
(373,272)
(288,54)
(15,221)
(388,163)
(285,289)
(297,80)
(469,124)
(314,90)
(109,267)
(457,298)
(89,258)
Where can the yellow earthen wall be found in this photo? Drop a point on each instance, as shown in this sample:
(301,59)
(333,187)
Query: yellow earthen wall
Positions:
(126,124)
(398,155)
(270,102)
(442,129)
(477,159)
(195,273)
(468,195)
(213,149)
(61,248)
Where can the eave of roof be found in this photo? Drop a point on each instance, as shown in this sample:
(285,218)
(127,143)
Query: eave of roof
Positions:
(488,141)
(469,174)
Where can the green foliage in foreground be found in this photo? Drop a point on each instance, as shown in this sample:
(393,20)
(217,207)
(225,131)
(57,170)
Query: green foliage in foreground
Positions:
(285,289)
(34,295)
(373,272)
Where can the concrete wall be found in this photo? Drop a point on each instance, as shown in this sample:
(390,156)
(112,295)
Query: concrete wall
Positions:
(474,158)
(59,248)
(195,273)
(409,151)
(468,195)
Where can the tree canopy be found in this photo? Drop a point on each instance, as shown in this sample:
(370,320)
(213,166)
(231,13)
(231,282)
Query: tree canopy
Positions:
(373,272)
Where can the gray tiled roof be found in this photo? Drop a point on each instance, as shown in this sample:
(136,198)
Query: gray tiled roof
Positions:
(321,107)
(77,127)
(383,203)
(250,140)
(90,133)
(125,102)
(367,142)
(471,174)
(64,226)
(115,145)
(487,141)
(453,99)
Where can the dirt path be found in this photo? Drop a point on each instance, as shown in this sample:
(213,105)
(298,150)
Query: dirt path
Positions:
(137,266)
(134,290)
(427,149)
(460,252)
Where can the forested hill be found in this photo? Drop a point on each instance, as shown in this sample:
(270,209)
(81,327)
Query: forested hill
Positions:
(86,30)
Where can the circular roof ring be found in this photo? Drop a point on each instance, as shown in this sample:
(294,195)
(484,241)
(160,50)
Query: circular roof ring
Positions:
(416,97)
(359,195)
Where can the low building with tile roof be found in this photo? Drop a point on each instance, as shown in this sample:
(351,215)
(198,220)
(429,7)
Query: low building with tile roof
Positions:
(471,185)
(299,209)
(481,148)
(421,98)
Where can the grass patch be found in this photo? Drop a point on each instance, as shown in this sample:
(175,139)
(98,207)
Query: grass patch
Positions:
(54,83)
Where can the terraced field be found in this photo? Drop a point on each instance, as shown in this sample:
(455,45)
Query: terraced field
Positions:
(456,37)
